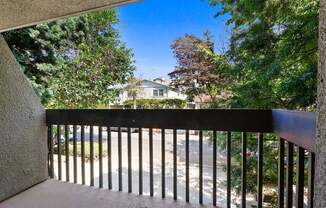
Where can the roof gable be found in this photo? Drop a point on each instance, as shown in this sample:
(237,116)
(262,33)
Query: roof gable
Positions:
(149,83)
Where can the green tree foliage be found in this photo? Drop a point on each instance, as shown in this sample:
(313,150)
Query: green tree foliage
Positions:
(199,69)
(33,47)
(273,56)
(72,62)
(273,49)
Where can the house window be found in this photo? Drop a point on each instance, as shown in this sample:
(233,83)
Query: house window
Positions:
(155,93)
(161,92)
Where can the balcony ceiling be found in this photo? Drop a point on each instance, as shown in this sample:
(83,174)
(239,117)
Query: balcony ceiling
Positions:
(20,13)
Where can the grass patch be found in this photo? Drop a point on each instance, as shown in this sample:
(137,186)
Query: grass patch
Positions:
(87,150)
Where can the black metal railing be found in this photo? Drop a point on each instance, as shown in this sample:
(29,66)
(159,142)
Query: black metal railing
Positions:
(295,129)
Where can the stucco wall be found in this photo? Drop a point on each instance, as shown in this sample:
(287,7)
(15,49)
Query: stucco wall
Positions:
(320,179)
(23,146)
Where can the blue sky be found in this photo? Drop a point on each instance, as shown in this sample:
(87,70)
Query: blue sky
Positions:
(149,27)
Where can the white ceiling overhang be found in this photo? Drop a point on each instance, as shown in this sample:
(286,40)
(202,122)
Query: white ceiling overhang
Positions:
(21,13)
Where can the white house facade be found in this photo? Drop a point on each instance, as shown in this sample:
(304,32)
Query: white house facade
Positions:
(156,89)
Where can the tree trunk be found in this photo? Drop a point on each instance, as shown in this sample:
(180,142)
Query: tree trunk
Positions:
(134,103)
(320,179)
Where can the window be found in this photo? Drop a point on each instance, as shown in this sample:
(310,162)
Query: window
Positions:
(158,93)
(155,93)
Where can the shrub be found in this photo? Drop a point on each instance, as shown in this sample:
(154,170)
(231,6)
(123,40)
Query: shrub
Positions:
(157,103)
(87,150)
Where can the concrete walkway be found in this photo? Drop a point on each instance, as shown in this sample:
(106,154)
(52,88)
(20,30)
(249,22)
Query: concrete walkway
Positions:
(54,194)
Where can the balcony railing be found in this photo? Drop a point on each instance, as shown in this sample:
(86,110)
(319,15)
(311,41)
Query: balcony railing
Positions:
(294,129)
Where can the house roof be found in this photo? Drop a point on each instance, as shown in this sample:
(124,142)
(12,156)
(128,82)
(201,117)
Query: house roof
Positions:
(157,83)
(21,13)
(122,86)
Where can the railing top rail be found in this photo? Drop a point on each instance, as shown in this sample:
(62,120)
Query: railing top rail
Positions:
(295,126)
(209,119)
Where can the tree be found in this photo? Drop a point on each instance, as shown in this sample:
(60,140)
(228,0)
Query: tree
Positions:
(199,70)
(273,49)
(273,52)
(84,81)
(72,62)
(134,89)
(32,47)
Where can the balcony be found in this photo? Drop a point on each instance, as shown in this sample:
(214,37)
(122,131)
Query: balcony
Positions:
(161,158)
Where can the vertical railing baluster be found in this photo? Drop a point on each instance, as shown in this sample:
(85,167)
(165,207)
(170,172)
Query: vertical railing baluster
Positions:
(286,162)
(151,177)
(244,170)
(129,162)
(163,161)
(260,169)
(67,152)
(91,153)
(51,151)
(228,167)
(281,152)
(300,178)
(289,175)
(100,152)
(140,152)
(175,177)
(59,152)
(74,145)
(200,167)
(82,139)
(214,166)
(109,157)
(187,165)
(120,158)
(311,178)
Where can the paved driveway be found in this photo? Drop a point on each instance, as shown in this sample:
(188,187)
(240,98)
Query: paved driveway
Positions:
(193,167)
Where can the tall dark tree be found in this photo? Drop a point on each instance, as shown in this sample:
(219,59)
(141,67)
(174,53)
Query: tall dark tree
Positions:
(71,62)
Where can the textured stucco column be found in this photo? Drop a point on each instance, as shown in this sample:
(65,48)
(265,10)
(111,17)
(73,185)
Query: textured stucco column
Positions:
(23,145)
(320,179)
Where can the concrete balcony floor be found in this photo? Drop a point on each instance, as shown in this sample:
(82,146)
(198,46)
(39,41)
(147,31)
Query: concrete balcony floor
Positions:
(57,194)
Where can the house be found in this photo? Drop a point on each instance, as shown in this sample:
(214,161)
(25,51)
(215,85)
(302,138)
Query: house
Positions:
(151,89)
